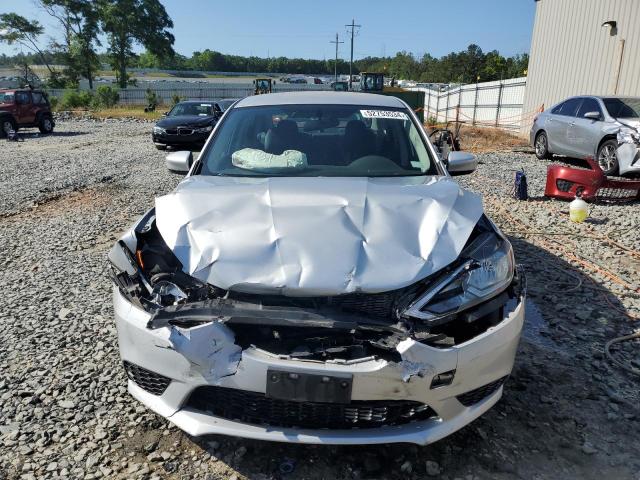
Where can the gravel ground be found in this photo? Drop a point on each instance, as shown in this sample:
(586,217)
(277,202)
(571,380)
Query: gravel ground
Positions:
(64,409)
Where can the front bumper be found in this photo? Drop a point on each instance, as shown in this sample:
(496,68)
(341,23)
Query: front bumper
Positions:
(478,362)
(192,139)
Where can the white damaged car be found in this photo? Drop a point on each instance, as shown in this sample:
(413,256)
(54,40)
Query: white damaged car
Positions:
(318,277)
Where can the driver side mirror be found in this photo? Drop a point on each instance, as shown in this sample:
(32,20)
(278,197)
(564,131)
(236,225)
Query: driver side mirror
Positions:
(461,163)
(179,162)
(592,115)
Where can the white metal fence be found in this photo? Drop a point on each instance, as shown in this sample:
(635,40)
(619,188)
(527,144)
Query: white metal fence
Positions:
(497,104)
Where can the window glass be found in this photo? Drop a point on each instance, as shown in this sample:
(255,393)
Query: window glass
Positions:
(623,107)
(200,109)
(589,105)
(557,109)
(318,140)
(7,97)
(22,98)
(37,98)
(570,107)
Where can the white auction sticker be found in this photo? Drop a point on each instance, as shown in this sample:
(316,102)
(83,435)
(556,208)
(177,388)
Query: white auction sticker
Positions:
(205,104)
(384,114)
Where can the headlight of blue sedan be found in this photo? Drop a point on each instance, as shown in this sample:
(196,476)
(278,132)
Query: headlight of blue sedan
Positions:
(204,129)
(486,270)
(159,130)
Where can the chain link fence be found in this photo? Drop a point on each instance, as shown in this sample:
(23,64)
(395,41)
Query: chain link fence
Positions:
(217,91)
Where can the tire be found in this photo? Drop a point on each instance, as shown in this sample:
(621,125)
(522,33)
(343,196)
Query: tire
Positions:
(607,157)
(45,124)
(541,145)
(6,125)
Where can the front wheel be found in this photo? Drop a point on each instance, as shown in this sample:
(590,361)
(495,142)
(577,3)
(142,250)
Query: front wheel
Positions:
(46,124)
(7,125)
(542,146)
(608,157)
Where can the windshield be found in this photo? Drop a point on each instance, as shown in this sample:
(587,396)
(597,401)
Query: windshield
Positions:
(317,140)
(7,97)
(623,107)
(201,109)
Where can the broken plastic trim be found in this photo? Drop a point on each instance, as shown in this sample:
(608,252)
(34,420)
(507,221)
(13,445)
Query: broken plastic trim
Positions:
(242,312)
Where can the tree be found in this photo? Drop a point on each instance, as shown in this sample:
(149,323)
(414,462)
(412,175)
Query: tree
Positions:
(15,28)
(135,21)
(80,22)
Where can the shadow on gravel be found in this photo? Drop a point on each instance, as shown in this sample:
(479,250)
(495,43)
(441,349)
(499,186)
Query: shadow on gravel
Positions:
(554,421)
(25,136)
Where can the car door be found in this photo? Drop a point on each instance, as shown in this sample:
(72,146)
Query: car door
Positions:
(26,113)
(585,134)
(559,132)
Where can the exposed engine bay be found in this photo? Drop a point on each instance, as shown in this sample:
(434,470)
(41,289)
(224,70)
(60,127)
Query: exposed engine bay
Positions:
(341,328)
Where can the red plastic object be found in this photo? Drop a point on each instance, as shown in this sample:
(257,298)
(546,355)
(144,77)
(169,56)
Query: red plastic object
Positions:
(564,182)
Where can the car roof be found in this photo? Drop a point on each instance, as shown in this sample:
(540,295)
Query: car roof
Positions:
(320,98)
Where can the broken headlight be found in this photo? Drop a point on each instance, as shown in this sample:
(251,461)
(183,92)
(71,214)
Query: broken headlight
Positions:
(628,136)
(486,269)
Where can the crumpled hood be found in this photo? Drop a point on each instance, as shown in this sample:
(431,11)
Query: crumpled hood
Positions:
(316,236)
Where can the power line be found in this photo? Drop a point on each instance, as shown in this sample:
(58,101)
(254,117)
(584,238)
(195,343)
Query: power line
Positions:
(335,74)
(353,27)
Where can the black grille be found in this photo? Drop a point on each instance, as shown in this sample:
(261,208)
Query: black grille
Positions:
(257,408)
(474,396)
(372,304)
(149,381)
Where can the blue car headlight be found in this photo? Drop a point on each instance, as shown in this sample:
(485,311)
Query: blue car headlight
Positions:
(206,129)
(486,270)
(159,130)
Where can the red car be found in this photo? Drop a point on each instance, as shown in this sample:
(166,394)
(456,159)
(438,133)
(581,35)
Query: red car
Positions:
(23,108)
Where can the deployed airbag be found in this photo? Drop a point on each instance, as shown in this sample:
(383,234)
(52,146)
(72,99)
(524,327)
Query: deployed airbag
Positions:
(252,158)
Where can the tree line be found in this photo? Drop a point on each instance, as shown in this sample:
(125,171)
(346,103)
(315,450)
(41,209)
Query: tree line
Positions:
(85,24)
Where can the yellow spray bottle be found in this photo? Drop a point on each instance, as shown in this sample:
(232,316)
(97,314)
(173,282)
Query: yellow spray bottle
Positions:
(578,208)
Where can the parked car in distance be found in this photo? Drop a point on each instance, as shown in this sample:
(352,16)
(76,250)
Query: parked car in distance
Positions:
(318,277)
(591,126)
(188,124)
(24,108)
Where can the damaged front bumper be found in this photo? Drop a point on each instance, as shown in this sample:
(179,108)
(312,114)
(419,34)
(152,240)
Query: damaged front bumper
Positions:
(199,378)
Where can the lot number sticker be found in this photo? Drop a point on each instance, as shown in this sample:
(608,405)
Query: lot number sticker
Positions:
(384,114)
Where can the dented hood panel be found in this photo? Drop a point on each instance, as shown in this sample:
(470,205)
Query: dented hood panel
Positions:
(316,236)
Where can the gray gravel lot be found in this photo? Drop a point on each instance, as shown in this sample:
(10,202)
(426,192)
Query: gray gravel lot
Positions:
(64,409)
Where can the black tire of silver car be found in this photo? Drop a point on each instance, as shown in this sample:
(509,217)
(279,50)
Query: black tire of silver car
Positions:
(608,157)
(542,146)
(7,124)
(45,124)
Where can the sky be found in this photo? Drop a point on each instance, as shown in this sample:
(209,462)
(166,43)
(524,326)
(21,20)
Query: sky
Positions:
(305,28)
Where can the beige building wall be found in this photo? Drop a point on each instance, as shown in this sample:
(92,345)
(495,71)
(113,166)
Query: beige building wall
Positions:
(573,54)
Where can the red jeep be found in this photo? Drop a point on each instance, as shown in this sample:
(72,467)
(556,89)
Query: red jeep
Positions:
(22,108)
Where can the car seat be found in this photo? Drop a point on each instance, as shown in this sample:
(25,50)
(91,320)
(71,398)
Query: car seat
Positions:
(284,136)
(359,140)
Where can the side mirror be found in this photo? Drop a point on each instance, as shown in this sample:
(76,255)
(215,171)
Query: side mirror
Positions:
(179,162)
(461,163)
(592,115)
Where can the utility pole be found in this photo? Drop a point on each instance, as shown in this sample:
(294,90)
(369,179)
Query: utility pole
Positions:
(353,27)
(335,69)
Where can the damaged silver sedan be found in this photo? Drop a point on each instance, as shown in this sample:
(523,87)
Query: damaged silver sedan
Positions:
(318,277)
